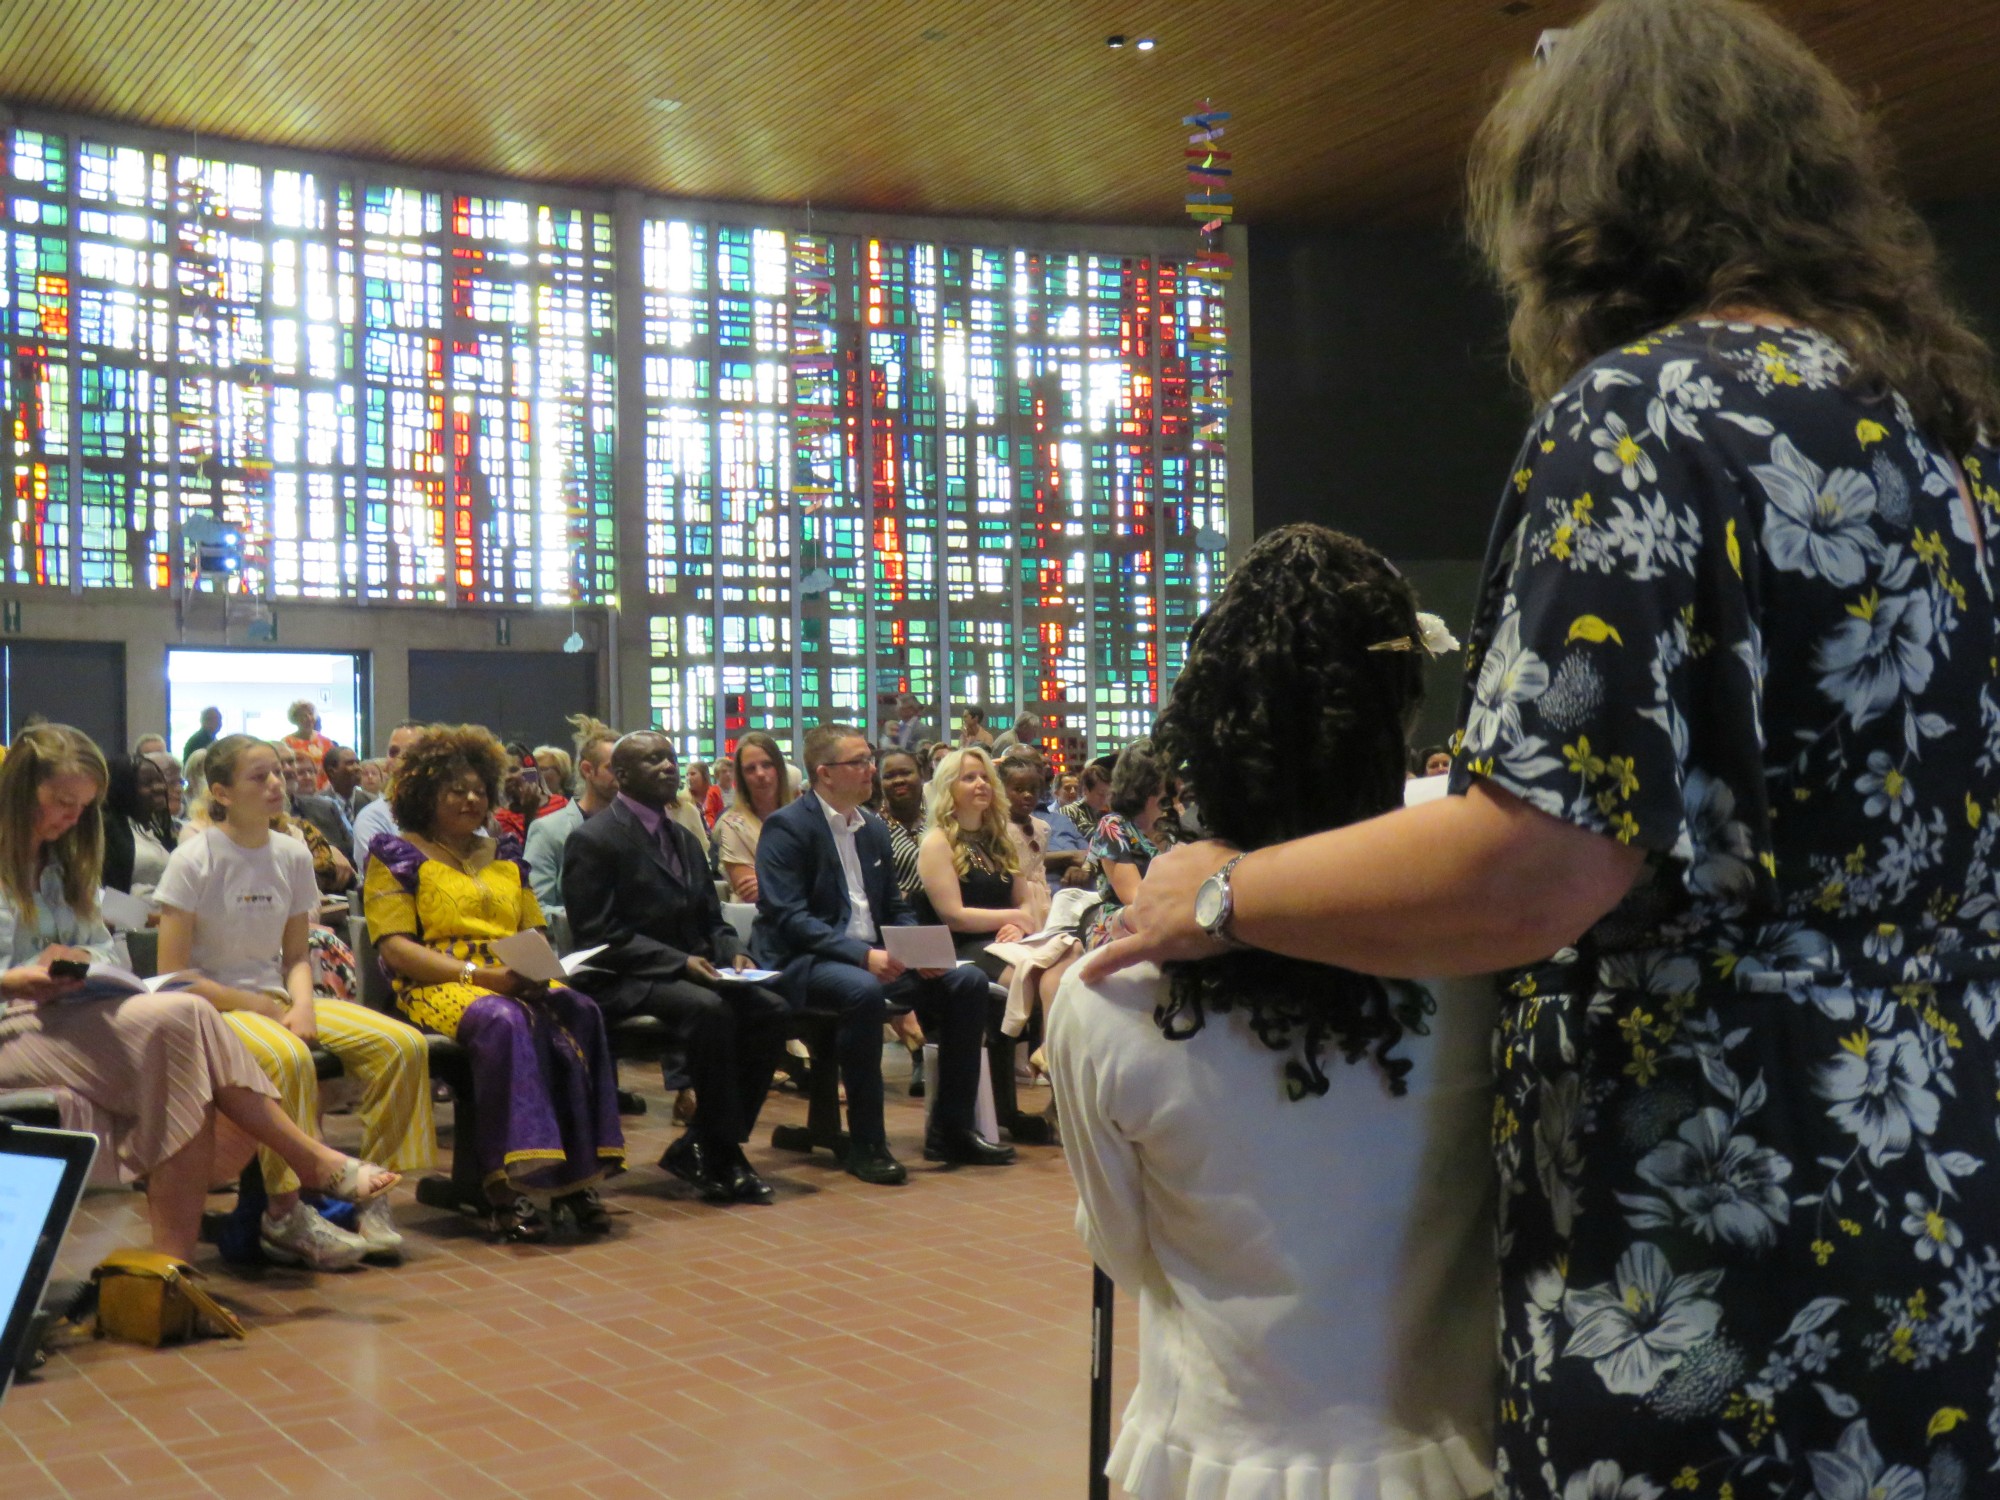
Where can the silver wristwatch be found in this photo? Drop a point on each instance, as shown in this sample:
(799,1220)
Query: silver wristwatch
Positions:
(1215,905)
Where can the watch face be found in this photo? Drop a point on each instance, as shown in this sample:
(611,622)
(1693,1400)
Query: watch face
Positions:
(1208,903)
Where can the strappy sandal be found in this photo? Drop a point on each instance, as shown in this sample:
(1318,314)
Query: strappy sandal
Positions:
(350,1184)
(584,1208)
(516,1222)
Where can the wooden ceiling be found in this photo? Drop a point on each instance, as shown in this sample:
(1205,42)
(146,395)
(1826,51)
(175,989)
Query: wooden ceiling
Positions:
(1350,113)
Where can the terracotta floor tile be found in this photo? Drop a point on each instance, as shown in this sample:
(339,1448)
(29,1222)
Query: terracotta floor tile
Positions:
(852,1343)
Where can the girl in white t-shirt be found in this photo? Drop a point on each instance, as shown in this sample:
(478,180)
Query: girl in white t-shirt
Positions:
(235,904)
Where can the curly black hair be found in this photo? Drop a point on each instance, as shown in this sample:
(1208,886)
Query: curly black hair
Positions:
(439,756)
(1284,723)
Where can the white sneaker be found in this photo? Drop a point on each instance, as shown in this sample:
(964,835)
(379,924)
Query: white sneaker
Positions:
(377,1229)
(302,1237)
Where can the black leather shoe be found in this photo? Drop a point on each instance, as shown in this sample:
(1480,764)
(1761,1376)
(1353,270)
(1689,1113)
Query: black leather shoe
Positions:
(874,1164)
(745,1186)
(690,1160)
(585,1209)
(965,1148)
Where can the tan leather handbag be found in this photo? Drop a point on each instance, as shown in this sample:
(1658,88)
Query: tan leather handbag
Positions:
(144,1297)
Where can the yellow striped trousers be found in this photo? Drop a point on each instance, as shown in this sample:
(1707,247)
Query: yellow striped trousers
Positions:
(390,1060)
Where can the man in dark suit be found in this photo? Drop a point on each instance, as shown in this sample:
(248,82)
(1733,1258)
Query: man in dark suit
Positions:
(332,811)
(826,887)
(637,881)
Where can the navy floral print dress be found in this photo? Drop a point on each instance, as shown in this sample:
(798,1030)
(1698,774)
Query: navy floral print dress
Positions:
(1739,615)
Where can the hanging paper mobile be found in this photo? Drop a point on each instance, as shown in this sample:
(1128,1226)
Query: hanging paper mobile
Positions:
(1213,205)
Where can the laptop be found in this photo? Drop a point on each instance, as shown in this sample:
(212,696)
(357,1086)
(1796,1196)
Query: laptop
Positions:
(42,1173)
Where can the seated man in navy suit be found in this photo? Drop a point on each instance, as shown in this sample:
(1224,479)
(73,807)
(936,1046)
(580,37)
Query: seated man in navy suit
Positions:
(826,887)
(637,881)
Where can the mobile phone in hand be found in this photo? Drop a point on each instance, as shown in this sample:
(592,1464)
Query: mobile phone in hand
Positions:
(68,968)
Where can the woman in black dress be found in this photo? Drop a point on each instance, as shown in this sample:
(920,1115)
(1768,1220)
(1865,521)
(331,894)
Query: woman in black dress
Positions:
(971,872)
(1727,796)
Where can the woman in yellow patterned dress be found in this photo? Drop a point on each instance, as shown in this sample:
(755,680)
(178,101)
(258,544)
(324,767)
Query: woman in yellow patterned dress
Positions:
(436,896)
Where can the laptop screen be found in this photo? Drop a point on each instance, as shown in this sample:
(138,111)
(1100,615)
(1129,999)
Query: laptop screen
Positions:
(41,1177)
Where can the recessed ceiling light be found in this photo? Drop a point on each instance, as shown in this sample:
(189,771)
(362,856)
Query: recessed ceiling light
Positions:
(1145,44)
(1115,40)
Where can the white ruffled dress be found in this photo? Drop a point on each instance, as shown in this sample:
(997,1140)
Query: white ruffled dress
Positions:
(1316,1280)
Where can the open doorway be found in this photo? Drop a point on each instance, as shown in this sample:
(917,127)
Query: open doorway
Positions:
(254,688)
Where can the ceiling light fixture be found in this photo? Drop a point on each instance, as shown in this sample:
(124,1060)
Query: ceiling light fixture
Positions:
(1145,44)
(1115,40)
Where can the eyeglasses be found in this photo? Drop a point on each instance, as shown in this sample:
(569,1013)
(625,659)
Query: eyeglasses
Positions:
(865,760)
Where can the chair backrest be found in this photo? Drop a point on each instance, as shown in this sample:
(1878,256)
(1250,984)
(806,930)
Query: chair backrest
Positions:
(740,915)
(376,992)
(559,934)
(724,892)
(143,946)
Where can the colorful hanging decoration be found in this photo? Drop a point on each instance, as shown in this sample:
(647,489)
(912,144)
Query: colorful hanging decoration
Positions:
(1211,203)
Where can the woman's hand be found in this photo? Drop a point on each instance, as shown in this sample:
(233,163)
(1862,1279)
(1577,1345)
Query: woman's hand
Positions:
(507,982)
(701,968)
(34,984)
(1160,923)
(60,953)
(302,1021)
(1012,932)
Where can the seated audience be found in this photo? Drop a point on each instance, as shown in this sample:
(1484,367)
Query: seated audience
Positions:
(1309,1235)
(909,731)
(379,816)
(374,776)
(235,905)
(970,865)
(437,895)
(826,890)
(332,870)
(558,771)
(523,798)
(1026,731)
(149,744)
(1092,800)
(933,756)
(1069,787)
(703,793)
(333,810)
(135,802)
(308,744)
(202,738)
(972,729)
(902,813)
(1123,844)
(761,789)
(167,829)
(637,882)
(159,1077)
(1062,853)
(1432,760)
(548,837)
(1030,833)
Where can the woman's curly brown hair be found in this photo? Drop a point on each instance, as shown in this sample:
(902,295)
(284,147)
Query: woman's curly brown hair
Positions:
(1675,157)
(1282,724)
(442,754)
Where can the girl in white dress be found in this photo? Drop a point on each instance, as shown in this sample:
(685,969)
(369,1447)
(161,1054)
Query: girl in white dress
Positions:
(1285,1162)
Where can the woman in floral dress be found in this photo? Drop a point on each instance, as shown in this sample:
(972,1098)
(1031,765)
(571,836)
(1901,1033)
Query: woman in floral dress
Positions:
(1739,627)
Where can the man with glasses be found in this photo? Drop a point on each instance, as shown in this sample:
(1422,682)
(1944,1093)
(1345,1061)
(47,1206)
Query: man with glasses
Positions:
(826,887)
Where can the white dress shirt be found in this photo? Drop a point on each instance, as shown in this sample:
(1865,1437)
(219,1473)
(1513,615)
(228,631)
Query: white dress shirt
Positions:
(860,916)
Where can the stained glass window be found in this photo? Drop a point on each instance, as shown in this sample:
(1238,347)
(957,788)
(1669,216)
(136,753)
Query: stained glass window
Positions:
(975,479)
(989,475)
(293,383)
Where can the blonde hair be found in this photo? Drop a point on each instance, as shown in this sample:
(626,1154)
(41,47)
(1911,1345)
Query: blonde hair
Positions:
(990,838)
(588,731)
(38,754)
(1677,157)
(565,767)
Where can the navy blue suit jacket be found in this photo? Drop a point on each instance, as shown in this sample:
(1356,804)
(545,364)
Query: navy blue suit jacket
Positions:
(802,905)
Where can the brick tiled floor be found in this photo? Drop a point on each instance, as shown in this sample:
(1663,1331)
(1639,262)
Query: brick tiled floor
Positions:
(888,1343)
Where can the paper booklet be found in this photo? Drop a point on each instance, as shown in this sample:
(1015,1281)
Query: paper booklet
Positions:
(107,980)
(921,947)
(123,913)
(747,976)
(529,955)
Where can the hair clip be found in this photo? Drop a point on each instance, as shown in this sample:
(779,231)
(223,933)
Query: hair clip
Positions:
(1433,635)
